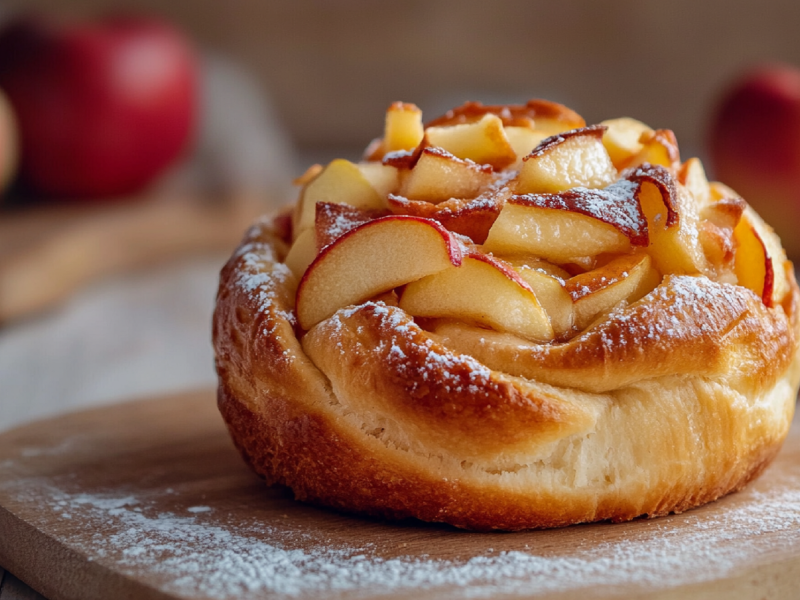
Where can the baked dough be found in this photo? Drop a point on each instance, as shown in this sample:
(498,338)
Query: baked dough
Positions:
(660,405)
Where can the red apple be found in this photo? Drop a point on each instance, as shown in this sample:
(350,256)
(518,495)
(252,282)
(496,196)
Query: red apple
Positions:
(754,145)
(103,107)
(9,150)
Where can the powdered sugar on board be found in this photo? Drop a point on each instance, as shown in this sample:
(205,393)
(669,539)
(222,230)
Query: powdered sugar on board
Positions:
(228,536)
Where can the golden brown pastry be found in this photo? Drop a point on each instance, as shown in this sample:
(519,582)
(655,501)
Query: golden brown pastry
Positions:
(509,320)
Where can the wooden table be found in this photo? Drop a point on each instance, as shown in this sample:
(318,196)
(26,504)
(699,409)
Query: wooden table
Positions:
(149,500)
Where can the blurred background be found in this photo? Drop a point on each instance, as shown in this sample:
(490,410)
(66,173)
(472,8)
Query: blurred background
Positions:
(107,286)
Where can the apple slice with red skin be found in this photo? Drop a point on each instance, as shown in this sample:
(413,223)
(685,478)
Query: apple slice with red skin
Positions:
(596,292)
(570,225)
(673,221)
(333,220)
(472,218)
(371,259)
(568,160)
(439,176)
(759,259)
(483,290)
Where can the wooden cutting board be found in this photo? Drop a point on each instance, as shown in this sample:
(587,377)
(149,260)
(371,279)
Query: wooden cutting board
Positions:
(150,500)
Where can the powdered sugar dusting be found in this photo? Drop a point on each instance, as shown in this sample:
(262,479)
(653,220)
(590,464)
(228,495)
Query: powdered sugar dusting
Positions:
(205,556)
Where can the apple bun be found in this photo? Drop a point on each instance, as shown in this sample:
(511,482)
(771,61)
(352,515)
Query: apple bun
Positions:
(506,319)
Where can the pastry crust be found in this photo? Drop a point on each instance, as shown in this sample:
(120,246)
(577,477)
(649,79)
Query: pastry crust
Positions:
(642,415)
(665,404)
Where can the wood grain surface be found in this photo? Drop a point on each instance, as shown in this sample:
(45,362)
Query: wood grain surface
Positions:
(149,500)
(49,252)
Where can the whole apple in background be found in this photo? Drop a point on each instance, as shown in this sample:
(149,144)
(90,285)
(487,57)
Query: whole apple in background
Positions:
(9,151)
(754,146)
(103,107)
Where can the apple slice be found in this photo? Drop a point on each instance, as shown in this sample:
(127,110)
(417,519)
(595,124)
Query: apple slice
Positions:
(673,221)
(659,147)
(543,115)
(572,159)
(564,227)
(371,259)
(334,220)
(759,259)
(472,218)
(523,140)
(403,128)
(483,141)
(439,176)
(597,292)
(483,290)
(547,282)
(341,182)
(621,139)
(383,178)
(692,176)
(302,253)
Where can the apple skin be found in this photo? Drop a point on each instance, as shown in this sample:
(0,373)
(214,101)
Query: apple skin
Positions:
(9,143)
(754,145)
(103,107)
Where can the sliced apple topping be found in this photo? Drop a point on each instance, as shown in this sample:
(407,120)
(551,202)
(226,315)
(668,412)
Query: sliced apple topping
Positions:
(672,221)
(621,139)
(403,129)
(483,290)
(371,259)
(595,293)
(302,253)
(572,159)
(659,147)
(341,182)
(567,226)
(472,218)
(547,282)
(383,178)
(334,220)
(692,176)
(483,141)
(524,140)
(759,260)
(543,115)
(439,176)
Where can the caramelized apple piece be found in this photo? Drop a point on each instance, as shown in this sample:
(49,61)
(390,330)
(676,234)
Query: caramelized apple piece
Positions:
(543,115)
(524,140)
(759,260)
(483,141)
(439,176)
(572,159)
(597,292)
(340,182)
(621,139)
(564,227)
(692,176)
(672,221)
(482,290)
(383,178)
(332,221)
(547,282)
(403,128)
(659,147)
(371,259)
(472,218)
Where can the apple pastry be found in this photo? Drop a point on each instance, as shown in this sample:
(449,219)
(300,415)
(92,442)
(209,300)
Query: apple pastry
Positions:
(507,319)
